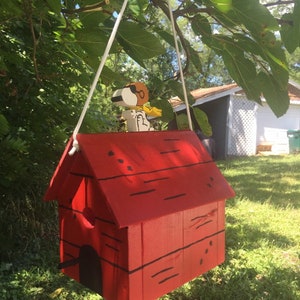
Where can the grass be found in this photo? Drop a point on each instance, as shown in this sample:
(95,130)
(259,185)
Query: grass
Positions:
(262,244)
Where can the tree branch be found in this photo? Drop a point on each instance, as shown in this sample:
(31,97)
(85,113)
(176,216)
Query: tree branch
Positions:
(88,8)
(28,10)
(279,2)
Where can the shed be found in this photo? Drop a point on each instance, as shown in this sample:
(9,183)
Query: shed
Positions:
(242,127)
(140,213)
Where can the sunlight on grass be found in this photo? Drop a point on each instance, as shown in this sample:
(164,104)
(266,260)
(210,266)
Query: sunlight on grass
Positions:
(272,179)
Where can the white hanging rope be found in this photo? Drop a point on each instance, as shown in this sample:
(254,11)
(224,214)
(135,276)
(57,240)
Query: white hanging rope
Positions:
(97,76)
(180,67)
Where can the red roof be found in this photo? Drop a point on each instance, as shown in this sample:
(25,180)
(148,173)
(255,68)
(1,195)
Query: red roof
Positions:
(144,175)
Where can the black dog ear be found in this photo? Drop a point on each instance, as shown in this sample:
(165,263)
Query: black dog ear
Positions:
(132,88)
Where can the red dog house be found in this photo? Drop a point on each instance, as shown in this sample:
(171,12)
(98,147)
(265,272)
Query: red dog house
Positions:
(140,213)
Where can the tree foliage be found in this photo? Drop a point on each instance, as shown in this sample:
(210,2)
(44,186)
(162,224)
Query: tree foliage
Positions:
(244,33)
(50,50)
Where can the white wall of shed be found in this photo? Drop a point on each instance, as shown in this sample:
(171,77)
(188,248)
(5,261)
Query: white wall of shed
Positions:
(273,131)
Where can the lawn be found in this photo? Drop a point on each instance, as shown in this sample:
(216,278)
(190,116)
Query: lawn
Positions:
(262,244)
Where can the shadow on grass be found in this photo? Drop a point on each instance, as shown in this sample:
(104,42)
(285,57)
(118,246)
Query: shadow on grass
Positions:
(34,275)
(41,283)
(240,235)
(272,179)
(248,285)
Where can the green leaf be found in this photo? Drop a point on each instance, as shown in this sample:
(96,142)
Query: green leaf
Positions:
(202,120)
(177,90)
(214,42)
(164,105)
(240,66)
(289,33)
(278,63)
(255,16)
(223,11)
(201,26)
(108,76)
(169,38)
(271,52)
(138,43)
(222,5)
(252,90)
(91,20)
(248,44)
(276,96)
(4,127)
(55,5)
(290,29)
(242,70)
(195,59)
(243,73)
(182,121)
(93,42)
(137,7)
(10,8)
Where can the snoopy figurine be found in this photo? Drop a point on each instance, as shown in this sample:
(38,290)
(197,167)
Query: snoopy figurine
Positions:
(135,96)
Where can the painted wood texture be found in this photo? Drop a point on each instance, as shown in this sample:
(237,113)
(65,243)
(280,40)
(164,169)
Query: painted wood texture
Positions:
(140,213)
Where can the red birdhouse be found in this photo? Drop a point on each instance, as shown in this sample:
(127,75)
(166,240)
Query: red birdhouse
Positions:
(140,213)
